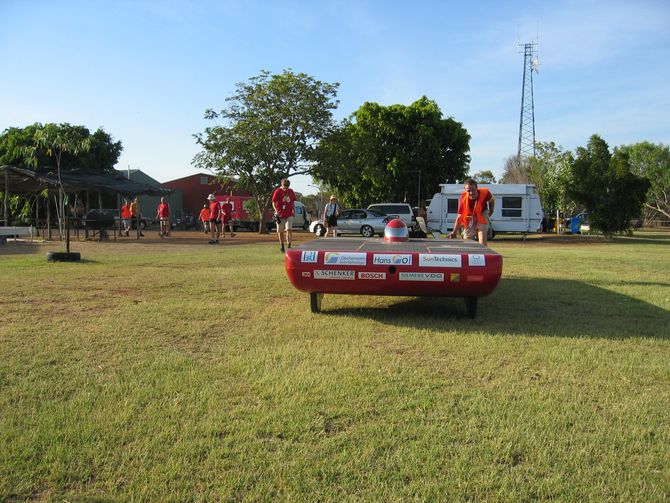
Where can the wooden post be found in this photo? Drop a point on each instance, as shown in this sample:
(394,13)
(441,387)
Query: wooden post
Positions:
(6,199)
(48,215)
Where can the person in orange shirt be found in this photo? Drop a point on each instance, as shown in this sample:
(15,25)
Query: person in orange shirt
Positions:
(125,217)
(474,209)
(204,217)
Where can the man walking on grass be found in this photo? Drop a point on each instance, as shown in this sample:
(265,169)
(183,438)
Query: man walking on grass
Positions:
(283,200)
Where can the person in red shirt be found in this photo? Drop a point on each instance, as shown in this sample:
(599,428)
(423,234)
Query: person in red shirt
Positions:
(474,209)
(125,217)
(227,218)
(283,200)
(204,217)
(214,219)
(163,216)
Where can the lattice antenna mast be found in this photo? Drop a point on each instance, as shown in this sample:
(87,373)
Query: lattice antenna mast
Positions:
(527,122)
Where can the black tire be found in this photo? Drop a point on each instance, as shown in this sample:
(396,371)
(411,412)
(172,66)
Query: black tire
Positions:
(63,256)
(471,306)
(367,231)
(319,230)
(315,301)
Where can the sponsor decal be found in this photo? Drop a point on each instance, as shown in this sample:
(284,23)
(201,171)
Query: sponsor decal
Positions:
(334,274)
(306,274)
(476,260)
(309,257)
(439,260)
(421,276)
(455,277)
(392,259)
(475,278)
(371,275)
(345,258)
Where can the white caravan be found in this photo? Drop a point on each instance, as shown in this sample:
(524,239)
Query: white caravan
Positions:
(517,208)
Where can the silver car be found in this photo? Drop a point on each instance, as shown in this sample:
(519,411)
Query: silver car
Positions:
(357,221)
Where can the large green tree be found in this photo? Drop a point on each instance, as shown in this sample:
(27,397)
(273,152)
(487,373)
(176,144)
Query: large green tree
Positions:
(549,170)
(269,130)
(604,184)
(652,161)
(393,153)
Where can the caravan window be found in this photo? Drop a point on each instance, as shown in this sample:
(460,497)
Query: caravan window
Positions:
(452,205)
(511,206)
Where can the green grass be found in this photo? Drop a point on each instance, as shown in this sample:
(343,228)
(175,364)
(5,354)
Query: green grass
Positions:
(199,374)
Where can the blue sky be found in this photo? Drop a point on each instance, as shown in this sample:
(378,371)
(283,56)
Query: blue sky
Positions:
(146,70)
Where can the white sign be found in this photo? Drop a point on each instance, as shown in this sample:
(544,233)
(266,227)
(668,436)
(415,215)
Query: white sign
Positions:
(439,260)
(309,257)
(345,258)
(476,260)
(371,275)
(389,259)
(334,274)
(421,276)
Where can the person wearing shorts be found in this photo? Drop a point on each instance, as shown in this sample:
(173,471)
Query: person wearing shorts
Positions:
(330,214)
(474,209)
(214,219)
(163,216)
(227,218)
(204,217)
(283,202)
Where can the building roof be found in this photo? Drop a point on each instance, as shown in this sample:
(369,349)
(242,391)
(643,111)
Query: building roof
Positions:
(25,181)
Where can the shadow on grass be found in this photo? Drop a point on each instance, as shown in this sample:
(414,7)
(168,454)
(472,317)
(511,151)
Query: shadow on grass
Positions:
(544,307)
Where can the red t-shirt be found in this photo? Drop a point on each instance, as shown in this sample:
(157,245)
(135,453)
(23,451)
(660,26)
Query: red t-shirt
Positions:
(226,211)
(125,211)
(204,215)
(214,210)
(283,200)
(163,210)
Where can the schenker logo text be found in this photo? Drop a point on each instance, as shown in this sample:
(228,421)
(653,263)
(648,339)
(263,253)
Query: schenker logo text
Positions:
(388,259)
(334,274)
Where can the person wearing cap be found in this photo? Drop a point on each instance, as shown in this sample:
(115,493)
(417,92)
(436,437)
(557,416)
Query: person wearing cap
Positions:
(214,219)
(283,202)
(330,214)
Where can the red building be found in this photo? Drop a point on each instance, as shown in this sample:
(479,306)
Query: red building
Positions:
(196,188)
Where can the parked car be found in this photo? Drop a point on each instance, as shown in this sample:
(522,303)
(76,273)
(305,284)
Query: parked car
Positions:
(402,211)
(367,223)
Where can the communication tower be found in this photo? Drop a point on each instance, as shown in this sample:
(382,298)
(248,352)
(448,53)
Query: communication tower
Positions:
(527,123)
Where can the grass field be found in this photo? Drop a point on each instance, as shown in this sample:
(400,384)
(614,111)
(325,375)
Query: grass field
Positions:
(197,373)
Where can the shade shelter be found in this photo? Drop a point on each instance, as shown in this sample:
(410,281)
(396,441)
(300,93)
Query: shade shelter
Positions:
(17,180)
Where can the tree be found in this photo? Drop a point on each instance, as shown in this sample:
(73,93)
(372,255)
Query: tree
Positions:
(59,140)
(516,170)
(550,172)
(271,126)
(652,161)
(485,176)
(391,153)
(607,188)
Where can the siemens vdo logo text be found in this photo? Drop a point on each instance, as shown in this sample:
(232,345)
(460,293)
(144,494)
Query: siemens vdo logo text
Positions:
(388,259)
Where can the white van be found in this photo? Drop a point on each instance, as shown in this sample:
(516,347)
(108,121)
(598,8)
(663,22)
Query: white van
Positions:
(402,211)
(517,208)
